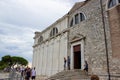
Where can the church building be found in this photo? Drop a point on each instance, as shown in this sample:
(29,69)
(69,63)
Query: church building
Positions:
(90,32)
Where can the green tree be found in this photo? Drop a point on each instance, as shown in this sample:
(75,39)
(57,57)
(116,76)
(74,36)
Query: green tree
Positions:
(19,60)
(2,65)
(8,61)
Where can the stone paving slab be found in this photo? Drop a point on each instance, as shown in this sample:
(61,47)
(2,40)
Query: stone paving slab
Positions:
(4,75)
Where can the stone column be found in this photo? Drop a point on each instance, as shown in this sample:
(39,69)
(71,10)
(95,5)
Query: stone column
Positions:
(46,68)
(62,52)
(48,60)
(33,58)
(41,56)
(59,54)
(52,52)
(39,60)
(49,67)
(35,61)
(55,58)
(43,59)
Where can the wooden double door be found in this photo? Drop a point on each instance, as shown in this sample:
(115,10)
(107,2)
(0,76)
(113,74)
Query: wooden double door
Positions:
(77,56)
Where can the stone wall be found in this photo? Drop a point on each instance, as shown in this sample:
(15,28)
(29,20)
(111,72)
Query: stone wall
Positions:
(92,30)
(94,41)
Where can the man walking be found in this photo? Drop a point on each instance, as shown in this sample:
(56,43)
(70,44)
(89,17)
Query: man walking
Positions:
(33,74)
(68,62)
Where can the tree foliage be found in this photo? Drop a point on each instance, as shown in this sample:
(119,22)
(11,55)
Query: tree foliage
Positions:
(19,60)
(7,60)
(11,61)
(2,65)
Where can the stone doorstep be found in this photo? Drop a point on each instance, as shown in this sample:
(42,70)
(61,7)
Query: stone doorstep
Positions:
(70,74)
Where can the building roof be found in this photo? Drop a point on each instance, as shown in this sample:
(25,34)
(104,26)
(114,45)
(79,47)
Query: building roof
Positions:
(77,5)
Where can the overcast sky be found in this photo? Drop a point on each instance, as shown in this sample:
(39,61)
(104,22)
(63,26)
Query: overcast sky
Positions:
(19,19)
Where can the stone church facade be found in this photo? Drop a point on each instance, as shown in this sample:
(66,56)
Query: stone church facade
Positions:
(88,32)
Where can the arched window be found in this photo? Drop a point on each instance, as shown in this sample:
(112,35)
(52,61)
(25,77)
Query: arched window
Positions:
(53,32)
(40,39)
(82,17)
(76,19)
(71,23)
(112,3)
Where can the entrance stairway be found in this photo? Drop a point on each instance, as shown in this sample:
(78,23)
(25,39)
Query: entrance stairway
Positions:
(70,75)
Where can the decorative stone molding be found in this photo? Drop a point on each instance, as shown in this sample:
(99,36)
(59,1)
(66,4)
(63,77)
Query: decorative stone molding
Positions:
(76,38)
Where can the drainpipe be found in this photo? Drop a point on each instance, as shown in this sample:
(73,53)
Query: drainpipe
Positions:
(106,47)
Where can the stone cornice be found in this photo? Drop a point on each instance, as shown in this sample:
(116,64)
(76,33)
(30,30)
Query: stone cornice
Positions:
(36,34)
(63,32)
(77,39)
(56,22)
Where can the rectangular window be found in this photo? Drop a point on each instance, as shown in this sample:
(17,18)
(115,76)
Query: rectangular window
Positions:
(76,19)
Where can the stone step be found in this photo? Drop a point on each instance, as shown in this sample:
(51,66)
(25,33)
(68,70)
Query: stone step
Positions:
(80,72)
(70,75)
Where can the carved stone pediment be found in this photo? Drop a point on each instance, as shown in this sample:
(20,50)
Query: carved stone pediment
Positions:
(77,37)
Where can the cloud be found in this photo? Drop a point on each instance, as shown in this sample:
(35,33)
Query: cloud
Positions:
(19,19)
(16,40)
(33,13)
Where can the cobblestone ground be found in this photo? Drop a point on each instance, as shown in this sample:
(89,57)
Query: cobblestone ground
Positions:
(4,75)
(16,75)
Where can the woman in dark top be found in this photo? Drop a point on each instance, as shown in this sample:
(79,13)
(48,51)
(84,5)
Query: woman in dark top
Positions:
(68,62)
(65,63)
(86,66)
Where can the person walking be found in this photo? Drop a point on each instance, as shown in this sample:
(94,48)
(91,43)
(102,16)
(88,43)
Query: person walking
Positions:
(86,66)
(28,73)
(68,62)
(65,63)
(33,74)
(22,73)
